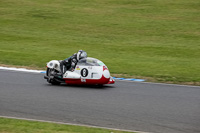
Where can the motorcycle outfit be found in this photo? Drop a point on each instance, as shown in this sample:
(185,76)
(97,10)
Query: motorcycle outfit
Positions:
(70,63)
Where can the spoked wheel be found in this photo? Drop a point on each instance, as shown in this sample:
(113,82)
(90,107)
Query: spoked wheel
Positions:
(50,77)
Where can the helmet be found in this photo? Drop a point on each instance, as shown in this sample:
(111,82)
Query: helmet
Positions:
(81,54)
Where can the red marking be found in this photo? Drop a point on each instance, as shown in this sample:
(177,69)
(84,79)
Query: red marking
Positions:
(105,68)
(111,82)
(102,80)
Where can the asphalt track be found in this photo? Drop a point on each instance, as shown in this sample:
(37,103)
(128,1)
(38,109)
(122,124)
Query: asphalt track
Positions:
(148,107)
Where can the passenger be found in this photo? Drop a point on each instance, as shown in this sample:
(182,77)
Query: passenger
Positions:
(70,63)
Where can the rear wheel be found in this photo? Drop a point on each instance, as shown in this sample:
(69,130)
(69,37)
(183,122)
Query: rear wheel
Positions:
(51,79)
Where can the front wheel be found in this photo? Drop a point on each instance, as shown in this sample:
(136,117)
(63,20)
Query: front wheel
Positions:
(50,77)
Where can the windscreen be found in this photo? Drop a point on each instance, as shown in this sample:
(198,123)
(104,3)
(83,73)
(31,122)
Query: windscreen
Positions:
(90,62)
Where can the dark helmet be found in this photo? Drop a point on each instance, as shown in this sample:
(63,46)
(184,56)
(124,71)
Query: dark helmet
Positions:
(81,54)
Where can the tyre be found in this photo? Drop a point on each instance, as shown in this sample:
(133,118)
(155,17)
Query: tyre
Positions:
(100,85)
(51,79)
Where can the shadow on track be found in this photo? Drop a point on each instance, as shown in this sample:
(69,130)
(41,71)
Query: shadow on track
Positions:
(100,87)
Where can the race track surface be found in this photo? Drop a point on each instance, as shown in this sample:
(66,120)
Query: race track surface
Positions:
(157,108)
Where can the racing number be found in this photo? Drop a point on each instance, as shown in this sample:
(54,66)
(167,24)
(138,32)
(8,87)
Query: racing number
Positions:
(84,72)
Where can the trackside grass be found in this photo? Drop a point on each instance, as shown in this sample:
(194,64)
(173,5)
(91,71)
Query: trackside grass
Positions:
(156,39)
(24,126)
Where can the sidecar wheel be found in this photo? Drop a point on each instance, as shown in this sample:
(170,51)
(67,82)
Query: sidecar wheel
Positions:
(100,85)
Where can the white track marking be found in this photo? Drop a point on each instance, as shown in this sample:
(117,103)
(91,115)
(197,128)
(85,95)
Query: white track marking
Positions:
(20,69)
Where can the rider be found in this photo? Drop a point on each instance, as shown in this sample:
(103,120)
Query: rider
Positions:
(70,63)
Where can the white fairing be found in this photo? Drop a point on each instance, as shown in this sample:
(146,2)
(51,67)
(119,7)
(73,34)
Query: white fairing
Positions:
(90,69)
(71,75)
(54,64)
(89,72)
(106,74)
(93,71)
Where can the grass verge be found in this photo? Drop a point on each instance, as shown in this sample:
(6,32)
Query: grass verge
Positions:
(159,39)
(24,126)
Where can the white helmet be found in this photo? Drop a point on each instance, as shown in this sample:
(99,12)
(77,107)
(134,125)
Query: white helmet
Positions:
(81,54)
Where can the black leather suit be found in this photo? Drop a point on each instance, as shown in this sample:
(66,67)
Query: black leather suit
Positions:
(69,63)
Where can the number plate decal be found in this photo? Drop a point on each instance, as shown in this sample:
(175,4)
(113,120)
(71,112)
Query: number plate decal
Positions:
(84,72)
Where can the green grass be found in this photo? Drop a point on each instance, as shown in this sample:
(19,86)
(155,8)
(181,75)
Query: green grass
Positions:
(24,126)
(142,38)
